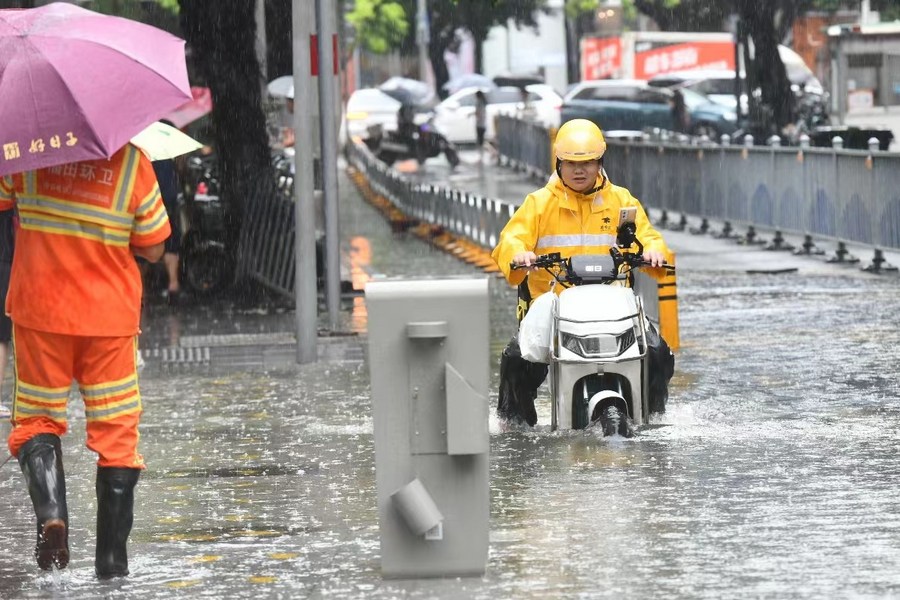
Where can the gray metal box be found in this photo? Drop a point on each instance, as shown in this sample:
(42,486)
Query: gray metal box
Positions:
(430,371)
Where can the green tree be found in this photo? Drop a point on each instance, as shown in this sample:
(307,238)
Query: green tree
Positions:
(685,15)
(380,25)
(765,23)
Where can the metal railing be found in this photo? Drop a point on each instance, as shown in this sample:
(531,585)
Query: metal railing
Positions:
(850,195)
(267,233)
(471,216)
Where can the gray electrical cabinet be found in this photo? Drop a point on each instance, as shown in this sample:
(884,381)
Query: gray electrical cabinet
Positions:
(430,370)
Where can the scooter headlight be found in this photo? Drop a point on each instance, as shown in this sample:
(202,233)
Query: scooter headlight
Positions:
(597,345)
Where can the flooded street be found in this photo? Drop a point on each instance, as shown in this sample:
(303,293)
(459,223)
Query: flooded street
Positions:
(773,474)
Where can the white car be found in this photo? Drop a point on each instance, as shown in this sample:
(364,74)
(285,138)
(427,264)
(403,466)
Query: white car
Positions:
(719,84)
(455,116)
(367,107)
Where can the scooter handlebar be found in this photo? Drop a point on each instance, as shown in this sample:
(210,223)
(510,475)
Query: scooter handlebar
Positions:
(541,262)
(548,260)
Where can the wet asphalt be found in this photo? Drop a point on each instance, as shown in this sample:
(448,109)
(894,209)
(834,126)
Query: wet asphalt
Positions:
(772,475)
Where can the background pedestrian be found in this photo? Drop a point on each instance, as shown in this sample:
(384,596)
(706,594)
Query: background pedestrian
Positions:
(7,237)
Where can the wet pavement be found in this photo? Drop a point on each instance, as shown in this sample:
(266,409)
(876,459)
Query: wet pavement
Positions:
(773,474)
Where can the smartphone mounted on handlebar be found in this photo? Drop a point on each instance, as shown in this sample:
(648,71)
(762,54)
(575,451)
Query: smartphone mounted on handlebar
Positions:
(626,235)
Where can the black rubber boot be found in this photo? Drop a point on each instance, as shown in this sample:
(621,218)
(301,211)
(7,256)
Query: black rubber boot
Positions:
(115,515)
(41,462)
(519,382)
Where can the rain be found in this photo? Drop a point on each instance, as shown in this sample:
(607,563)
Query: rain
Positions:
(772,471)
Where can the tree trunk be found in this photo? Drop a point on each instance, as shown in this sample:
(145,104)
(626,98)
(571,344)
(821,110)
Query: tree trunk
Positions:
(221,36)
(436,48)
(766,70)
(280,37)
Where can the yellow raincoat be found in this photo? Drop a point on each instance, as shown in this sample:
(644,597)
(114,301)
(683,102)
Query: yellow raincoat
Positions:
(558,219)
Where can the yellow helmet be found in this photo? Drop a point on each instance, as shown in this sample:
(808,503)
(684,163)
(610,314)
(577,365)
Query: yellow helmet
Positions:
(579,140)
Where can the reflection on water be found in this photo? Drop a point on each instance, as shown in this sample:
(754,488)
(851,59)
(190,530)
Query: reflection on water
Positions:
(360,258)
(773,474)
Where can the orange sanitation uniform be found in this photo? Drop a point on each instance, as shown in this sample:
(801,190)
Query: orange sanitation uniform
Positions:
(75,297)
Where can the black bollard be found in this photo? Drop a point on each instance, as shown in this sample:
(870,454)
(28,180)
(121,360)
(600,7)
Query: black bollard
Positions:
(809,247)
(778,242)
(751,238)
(727,232)
(681,225)
(703,229)
(842,255)
(879,264)
(663,219)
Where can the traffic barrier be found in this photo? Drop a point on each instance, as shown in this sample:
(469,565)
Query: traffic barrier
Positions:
(832,193)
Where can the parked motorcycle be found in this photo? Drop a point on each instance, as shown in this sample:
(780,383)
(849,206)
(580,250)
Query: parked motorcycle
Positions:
(421,140)
(207,266)
(601,342)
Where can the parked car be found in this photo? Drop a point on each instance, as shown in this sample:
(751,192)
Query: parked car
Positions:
(716,84)
(367,107)
(625,104)
(455,116)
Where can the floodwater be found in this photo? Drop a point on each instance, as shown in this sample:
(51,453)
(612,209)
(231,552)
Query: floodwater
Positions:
(772,475)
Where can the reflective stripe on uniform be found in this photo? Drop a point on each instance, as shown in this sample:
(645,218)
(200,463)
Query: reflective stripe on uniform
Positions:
(576,240)
(113,410)
(50,224)
(63,208)
(36,401)
(126,178)
(104,401)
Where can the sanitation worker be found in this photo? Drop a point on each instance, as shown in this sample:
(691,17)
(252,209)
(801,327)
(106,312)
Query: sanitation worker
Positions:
(577,212)
(75,301)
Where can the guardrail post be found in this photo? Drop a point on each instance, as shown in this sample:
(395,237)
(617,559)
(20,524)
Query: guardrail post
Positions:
(703,229)
(809,247)
(804,141)
(778,242)
(879,264)
(874,144)
(842,255)
(751,238)
(837,142)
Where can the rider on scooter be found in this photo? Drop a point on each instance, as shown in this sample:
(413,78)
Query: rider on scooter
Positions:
(577,212)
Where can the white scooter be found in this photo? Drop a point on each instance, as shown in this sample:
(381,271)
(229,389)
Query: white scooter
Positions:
(600,340)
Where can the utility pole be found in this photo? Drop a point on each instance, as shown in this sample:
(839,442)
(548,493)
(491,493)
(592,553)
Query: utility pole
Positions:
(422,38)
(305,293)
(328,77)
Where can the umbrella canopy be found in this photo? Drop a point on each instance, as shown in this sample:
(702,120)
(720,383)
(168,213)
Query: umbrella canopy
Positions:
(192,110)
(409,91)
(78,85)
(160,141)
(281,87)
(469,80)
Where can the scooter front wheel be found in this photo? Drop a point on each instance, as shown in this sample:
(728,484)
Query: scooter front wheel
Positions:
(613,421)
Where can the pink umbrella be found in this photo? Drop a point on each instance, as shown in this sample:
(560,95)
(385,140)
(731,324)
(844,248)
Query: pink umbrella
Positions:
(192,110)
(78,85)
